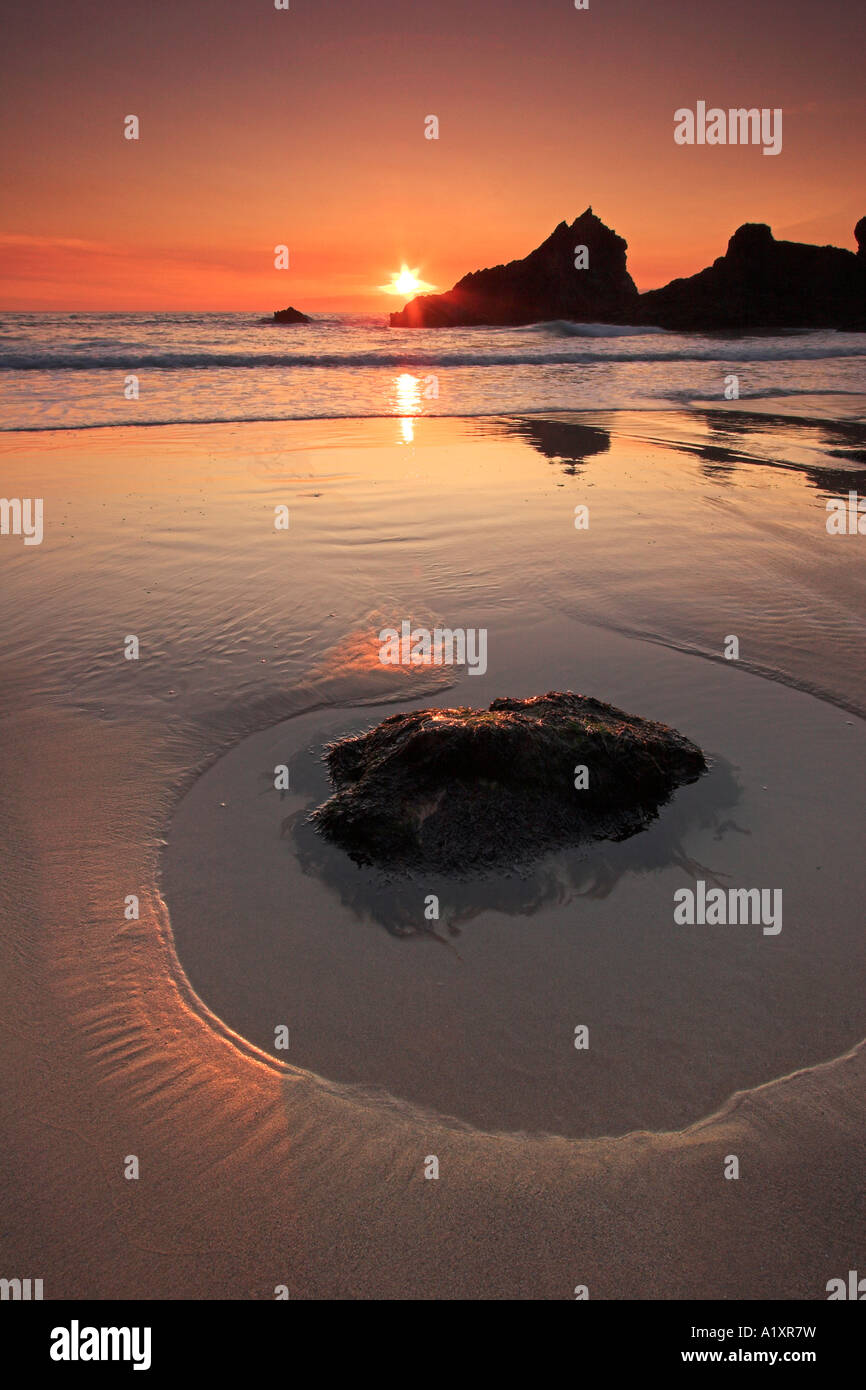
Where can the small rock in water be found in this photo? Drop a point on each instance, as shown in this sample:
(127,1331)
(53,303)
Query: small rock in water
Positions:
(461,790)
(290,315)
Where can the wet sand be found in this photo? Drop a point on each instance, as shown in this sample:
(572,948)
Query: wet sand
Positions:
(472,1015)
(255,1172)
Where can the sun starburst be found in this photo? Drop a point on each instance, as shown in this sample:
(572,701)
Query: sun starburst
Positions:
(405,281)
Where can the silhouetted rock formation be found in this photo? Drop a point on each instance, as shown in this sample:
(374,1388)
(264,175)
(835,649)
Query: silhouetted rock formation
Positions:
(464,789)
(290,315)
(544,285)
(759,283)
(764,283)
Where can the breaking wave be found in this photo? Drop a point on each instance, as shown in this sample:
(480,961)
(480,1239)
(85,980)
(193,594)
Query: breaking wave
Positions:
(740,351)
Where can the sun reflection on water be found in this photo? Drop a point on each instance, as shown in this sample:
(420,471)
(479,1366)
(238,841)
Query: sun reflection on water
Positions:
(407,392)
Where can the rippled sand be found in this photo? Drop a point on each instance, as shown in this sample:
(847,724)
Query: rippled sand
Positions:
(255,1172)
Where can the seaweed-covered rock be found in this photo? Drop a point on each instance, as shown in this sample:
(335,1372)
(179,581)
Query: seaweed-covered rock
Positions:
(457,790)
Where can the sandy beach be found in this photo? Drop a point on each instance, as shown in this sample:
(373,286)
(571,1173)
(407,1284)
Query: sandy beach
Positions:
(154,778)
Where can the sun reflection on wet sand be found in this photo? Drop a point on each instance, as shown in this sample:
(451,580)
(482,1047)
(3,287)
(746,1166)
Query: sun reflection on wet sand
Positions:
(407,389)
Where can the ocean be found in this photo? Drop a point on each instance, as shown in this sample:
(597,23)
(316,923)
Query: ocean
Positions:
(167,910)
(73,371)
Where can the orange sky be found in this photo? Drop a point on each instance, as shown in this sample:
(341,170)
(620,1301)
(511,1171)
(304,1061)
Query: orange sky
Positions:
(306,127)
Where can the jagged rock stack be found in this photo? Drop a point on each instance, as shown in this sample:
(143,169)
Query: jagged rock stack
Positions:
(545,285)
(759,283)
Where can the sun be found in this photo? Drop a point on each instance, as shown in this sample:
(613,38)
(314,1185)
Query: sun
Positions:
(405,281)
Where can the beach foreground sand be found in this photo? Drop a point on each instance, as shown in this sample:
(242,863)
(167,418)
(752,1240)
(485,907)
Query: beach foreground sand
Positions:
(254,1173)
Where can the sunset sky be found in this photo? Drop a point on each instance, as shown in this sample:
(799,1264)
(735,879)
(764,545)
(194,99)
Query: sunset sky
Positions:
(306,127)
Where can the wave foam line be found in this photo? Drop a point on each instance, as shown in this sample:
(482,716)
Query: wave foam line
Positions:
(48,362)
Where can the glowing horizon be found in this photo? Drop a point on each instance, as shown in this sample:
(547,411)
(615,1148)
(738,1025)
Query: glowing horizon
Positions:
(541,111)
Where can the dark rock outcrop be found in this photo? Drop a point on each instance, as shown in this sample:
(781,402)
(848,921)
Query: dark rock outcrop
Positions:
(460,790)
(761,283)
(544,285)
(290,315)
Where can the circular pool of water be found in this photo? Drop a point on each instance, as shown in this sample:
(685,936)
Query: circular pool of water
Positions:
(472,1013)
